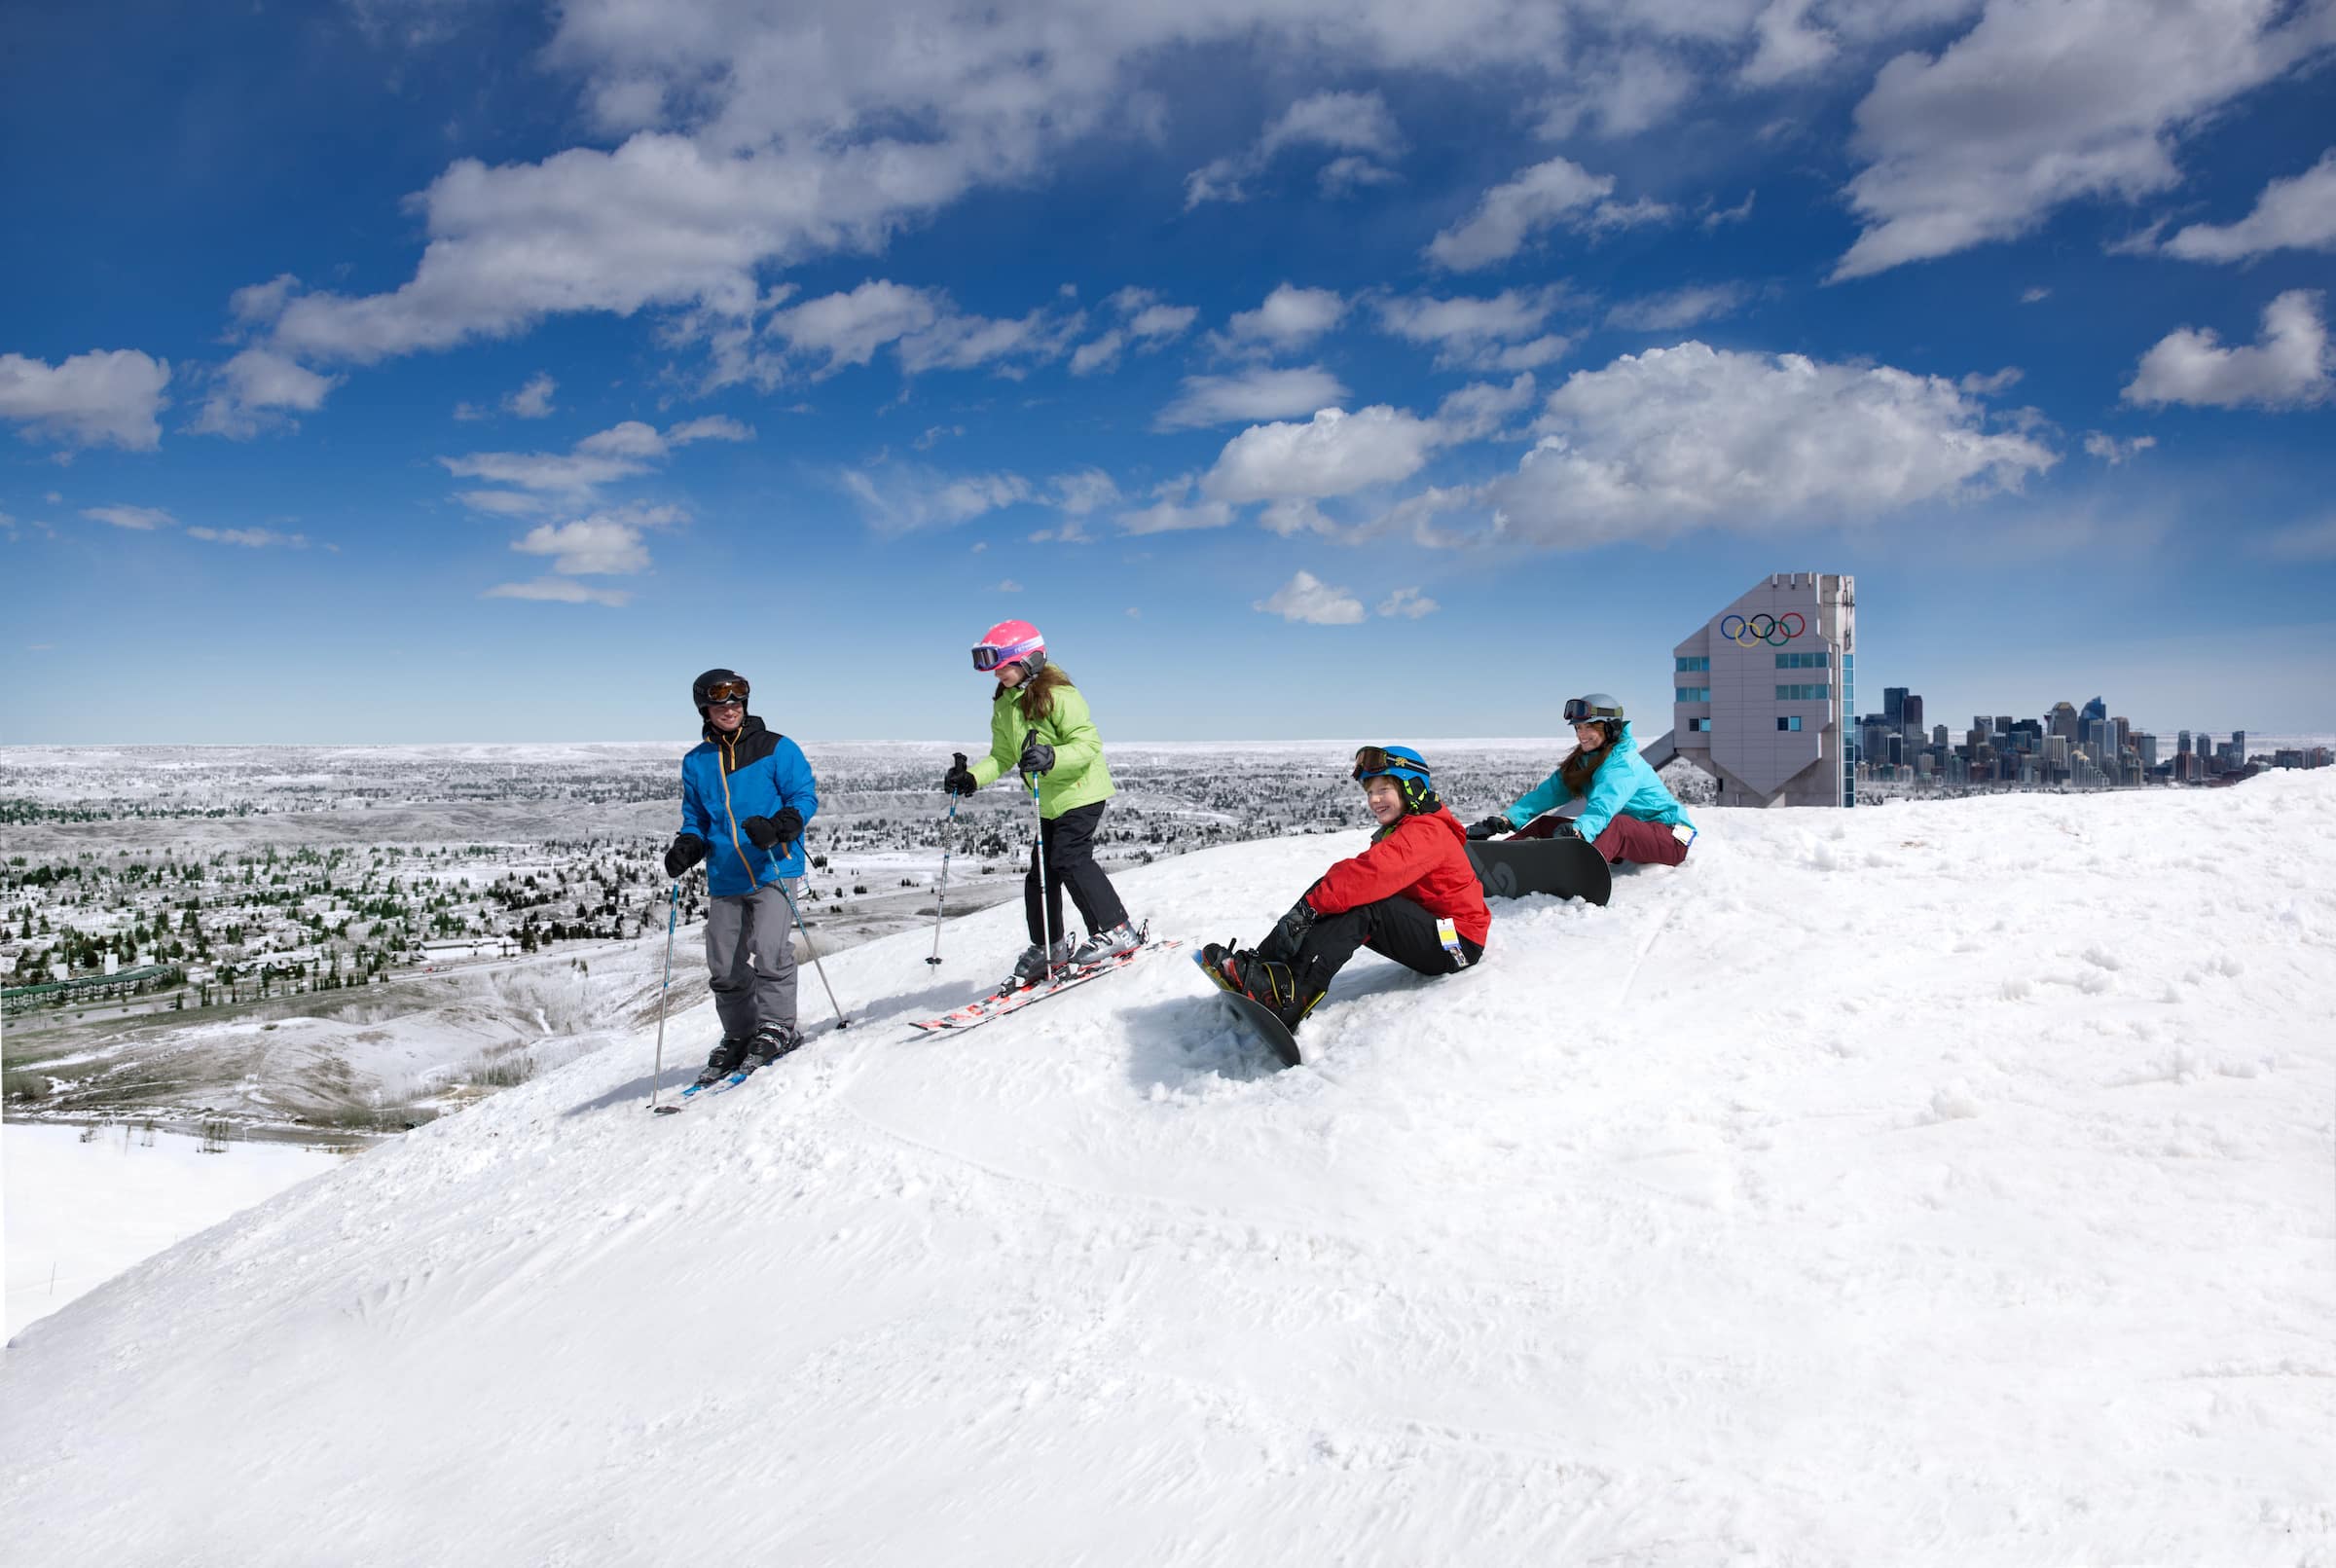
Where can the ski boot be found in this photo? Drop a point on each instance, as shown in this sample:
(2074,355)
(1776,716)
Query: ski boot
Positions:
(770,1043)
(1101,945)
(723,1062)
(1031,968)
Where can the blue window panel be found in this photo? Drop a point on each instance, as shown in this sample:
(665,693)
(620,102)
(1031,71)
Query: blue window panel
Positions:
(1690,666)
(1691,694)
(1788,721)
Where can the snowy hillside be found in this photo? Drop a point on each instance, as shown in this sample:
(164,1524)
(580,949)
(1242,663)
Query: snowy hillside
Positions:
(1939,1183)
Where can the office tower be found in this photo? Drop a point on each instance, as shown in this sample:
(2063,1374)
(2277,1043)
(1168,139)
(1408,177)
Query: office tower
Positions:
(1762,694)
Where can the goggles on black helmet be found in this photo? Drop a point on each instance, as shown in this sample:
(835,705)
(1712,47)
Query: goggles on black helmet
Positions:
(733,690)
(1588,711)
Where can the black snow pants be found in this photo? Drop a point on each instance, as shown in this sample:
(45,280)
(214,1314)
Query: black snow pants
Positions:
(1069,841)
(1394,928)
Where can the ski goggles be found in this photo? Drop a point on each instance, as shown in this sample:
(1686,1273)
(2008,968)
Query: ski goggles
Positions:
(989,656)
(727,691)
(1373,760)
(1578,712)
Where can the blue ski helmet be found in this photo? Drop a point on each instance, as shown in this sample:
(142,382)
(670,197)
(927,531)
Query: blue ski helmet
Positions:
(1406,767)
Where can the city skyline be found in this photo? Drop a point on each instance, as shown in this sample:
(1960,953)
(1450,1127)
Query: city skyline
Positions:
(426,372)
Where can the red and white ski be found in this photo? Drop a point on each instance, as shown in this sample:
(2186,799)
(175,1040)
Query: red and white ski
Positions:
(974,1014)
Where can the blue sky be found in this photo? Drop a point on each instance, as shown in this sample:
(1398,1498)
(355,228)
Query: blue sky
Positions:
(416,370)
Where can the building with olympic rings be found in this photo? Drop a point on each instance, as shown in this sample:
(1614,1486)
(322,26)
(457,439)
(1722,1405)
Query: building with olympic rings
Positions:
(1763,692)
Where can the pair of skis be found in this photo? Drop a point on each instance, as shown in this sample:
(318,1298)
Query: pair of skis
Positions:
(998,1003)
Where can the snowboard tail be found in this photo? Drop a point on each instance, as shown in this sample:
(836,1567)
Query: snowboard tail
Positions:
(1256,1018)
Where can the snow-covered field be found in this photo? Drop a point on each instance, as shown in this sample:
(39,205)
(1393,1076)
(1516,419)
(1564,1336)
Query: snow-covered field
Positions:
(81,1211)
(1946,1183)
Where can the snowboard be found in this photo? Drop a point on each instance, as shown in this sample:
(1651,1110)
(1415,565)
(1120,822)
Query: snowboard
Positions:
(1257,1018)
(1565,867)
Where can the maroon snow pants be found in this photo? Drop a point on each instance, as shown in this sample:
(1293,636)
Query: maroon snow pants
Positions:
(1626,838)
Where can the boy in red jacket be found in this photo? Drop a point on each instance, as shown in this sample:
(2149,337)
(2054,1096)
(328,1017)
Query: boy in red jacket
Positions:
(1411,897)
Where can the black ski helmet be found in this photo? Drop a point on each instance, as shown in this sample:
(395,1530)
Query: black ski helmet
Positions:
(701,690)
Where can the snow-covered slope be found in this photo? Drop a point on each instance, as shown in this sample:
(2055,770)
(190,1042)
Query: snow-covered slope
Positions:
(1943,1182)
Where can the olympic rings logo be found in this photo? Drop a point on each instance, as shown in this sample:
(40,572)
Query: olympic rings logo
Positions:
(1773,629)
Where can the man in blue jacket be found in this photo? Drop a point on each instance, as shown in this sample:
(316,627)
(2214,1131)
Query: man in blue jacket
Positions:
(1626,811)
(745,793)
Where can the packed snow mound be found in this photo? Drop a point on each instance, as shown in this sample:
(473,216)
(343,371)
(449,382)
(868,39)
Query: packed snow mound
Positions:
(1944,1181)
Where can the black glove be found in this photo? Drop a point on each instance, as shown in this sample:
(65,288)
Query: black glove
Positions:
(772,830)
(959,780)
(1036,757)
(1567,827)
(687,851)
(1489,827)
(1282,944)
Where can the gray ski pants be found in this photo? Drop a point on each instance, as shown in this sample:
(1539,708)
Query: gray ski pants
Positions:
(751,954)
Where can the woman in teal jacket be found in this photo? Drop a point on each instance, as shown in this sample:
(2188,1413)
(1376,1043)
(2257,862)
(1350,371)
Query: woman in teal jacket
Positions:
(1626,811)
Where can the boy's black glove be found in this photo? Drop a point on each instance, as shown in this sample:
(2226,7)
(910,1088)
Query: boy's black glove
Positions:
(687,851)
(766,831)
(1289,934)
(1036,757)
(960,780)
(1489,827)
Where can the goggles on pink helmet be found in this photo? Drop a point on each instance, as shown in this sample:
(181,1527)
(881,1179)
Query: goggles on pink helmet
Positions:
(1010,642)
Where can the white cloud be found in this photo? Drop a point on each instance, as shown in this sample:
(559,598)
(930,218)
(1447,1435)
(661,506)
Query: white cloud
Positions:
(504,502)
(1354,124)
(1679,309)
(712,427)
(1495,333)
(1173,511)
(1290,318)
(902,498)
(1477,409)
(1510,214)
(2111,451)
(567,473)
(250,538)
(532,401)
(1343,176)
(138,519)
(1084,492)
(1251,395)
(2034,296)
(2292,214)
(1621,91)
(1672,440)
(1407,604)
(2287,367)
(1988,386)
(1006,585)
(255,391)
(561,591)
(106,397)
(923,328)
(1789,45)
(2040,105)
(591,548)
(1739,213)
(1335,454)
(1306,599)
(1148,322)
(628,439)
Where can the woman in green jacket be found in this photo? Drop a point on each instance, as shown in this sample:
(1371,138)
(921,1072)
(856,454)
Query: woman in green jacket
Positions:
(1040,727)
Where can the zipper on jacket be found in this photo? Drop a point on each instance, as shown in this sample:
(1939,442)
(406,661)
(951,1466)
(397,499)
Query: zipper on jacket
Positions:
(730,755)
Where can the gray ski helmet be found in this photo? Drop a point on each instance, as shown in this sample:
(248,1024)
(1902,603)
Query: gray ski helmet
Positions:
(701,690)
(1594,709)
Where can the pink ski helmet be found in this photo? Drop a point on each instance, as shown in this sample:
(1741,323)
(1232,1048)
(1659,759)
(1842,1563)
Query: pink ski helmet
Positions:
(1010,642)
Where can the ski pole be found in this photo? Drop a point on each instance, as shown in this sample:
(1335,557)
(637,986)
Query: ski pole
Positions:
(841,1022)
(1038,816)
(940,899)
(673,912)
